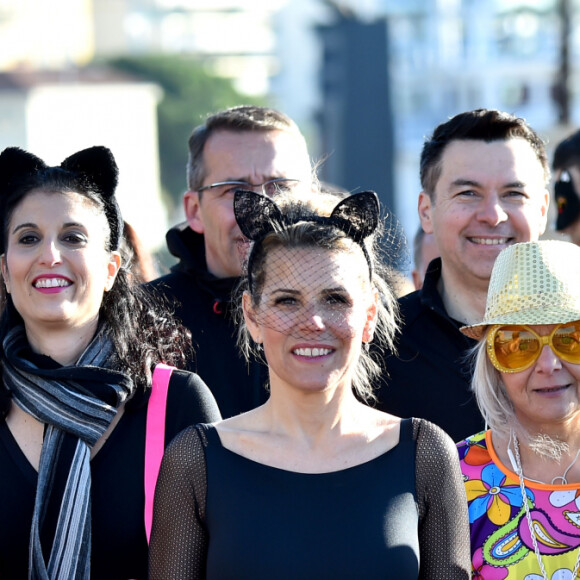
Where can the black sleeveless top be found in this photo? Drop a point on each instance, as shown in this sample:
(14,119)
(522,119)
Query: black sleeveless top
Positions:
(401,515)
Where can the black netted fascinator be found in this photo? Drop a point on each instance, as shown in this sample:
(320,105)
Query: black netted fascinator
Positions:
(91,170)
(357,216)
(257,215)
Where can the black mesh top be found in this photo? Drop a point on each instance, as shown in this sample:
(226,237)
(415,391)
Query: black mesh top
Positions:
(401,515)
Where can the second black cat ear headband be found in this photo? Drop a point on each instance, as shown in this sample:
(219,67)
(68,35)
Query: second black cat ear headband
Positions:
(357,216)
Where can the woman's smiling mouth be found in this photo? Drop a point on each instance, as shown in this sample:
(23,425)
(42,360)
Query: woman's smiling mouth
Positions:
(312,352)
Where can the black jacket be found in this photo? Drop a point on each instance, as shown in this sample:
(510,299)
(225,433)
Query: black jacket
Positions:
(430,378)
(204,305)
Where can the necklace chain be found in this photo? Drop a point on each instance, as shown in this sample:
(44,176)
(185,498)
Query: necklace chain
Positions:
(562,477)
(529,516)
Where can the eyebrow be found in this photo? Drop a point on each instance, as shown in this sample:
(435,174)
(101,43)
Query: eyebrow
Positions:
(461,182)
(285,290)
(24,225)
(472,183)
(324,290)
(245,180)
(33,225)
(337,289)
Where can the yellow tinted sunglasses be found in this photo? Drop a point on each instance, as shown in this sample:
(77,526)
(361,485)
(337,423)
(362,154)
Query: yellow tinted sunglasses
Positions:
(513,348)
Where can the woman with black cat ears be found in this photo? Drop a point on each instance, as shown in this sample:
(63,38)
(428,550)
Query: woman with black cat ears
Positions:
(314,483)
(78,345)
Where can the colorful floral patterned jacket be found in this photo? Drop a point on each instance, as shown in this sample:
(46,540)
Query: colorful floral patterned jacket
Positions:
(501,546)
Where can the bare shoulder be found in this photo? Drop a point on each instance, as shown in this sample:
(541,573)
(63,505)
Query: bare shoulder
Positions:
(374,432)
(241,432)
(244,422)
(386,420)
(380,424)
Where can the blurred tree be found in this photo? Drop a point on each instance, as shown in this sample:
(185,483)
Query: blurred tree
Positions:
(190,93)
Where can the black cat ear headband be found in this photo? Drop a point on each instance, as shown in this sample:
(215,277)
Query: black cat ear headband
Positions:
(93,168)
(357,216)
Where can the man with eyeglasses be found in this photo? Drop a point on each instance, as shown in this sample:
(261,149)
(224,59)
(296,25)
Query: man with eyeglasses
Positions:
(245,147)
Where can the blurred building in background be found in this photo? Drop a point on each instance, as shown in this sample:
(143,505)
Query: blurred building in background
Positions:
(39,34)
(366,80)
(53,103)
(235,36)
(442,57)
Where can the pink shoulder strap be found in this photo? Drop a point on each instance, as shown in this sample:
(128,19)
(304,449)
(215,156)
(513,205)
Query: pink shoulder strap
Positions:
(155,437)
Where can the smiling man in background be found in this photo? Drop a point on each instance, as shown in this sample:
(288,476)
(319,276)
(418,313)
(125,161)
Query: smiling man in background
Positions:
(484,176)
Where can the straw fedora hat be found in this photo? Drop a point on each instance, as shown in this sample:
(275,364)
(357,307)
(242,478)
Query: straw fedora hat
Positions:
(532,283)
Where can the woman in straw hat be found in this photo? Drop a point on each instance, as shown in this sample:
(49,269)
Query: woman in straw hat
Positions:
(522,476)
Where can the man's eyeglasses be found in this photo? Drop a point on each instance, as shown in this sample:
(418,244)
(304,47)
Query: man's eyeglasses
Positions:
(271,187)
(512,348)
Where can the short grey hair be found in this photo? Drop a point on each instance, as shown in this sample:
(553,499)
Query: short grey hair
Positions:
(237,119)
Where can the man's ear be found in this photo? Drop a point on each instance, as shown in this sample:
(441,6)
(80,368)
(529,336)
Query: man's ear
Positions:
(417,280)
(425,208)
(544,209)
(191,204)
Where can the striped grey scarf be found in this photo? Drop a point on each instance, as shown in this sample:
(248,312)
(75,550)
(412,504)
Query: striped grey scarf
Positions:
(76,403)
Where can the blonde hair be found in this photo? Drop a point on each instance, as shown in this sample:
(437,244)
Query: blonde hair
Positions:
(490,394)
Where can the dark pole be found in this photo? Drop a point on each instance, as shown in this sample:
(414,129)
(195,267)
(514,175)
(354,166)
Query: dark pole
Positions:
(561,91)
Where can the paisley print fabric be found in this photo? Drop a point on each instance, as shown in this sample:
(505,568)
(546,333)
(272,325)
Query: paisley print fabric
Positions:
(501,543)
